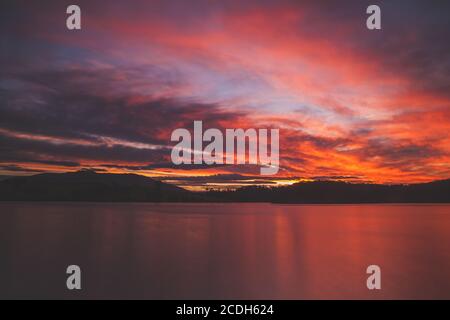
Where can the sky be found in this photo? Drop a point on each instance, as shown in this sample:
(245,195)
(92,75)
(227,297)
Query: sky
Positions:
(351,104)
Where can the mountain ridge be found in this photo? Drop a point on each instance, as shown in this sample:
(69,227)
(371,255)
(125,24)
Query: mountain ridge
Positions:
(107,187)
(329,192)
(90,186)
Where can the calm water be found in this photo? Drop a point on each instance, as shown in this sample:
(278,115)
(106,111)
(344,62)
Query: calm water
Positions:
(237,251)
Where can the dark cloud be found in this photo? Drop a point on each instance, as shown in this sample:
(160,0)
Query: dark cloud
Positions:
(79,104)
(25,150)
(77,108)
(16,168)
(228,177)
(393,153)
(336,178)
(164,165)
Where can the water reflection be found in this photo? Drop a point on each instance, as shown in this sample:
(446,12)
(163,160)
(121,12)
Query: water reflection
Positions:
(236,251)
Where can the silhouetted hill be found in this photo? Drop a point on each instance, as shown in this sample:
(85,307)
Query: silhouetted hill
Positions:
(342,192)
(91,186)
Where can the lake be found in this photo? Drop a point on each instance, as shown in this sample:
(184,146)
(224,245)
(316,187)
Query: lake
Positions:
(224,251)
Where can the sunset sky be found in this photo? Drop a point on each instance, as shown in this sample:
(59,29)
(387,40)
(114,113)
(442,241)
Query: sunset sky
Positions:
(351,104)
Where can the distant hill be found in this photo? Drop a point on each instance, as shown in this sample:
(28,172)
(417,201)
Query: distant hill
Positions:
(342,192)
(105,187)
(91,186)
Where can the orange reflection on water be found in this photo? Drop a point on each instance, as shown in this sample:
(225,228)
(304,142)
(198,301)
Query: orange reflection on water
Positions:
(225,251)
